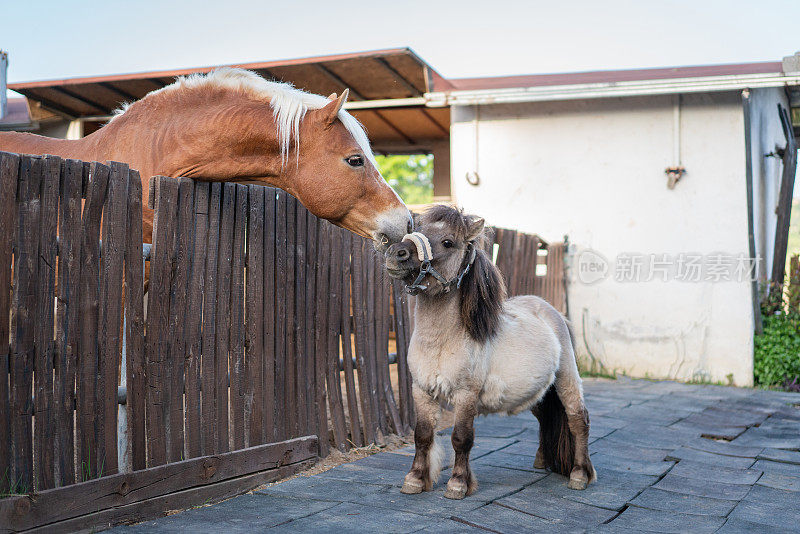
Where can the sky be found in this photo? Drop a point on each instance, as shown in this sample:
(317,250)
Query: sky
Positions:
(57,39)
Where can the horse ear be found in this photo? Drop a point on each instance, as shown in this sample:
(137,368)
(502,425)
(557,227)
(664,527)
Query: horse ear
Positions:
(330,112)
(474,228)
(333,96)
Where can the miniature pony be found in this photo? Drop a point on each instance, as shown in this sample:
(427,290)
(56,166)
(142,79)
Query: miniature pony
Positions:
(480,352)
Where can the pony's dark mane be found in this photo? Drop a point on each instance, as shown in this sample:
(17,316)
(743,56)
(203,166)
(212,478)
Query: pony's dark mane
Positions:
(482,296)
(482,290)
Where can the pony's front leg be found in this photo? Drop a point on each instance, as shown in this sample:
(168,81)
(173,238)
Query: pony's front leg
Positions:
(463,481)
(428,457)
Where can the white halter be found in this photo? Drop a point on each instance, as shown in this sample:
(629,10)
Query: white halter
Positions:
(425,255)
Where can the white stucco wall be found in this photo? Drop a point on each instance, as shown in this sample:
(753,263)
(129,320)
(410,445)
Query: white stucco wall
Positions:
(594,170)
(766,134)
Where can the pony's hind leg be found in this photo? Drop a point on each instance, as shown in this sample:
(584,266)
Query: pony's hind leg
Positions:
(568,387)
(428,456)
(463,482)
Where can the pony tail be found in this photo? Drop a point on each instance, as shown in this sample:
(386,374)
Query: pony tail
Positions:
(556,441)
(482,296)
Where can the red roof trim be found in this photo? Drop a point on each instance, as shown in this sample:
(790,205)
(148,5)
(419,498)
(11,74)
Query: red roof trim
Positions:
(611,76)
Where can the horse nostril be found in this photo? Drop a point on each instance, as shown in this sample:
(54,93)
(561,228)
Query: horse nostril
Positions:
(402,254)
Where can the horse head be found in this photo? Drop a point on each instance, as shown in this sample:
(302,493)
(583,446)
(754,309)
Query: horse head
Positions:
(337,179)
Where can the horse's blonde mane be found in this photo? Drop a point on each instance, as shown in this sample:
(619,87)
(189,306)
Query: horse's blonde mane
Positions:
(289,104)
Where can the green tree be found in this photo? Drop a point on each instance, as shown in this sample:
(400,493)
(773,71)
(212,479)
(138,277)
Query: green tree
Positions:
(411,176)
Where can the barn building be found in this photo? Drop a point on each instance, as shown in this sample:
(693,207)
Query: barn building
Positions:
(667,182)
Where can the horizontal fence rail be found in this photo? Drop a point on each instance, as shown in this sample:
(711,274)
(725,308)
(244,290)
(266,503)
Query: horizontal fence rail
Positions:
(262,325)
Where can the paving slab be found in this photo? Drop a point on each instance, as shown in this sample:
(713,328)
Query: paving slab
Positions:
(356,519)
(768,466)
(685,453)
(739,526)
(649,412)
(767,438)
(723,447)
(244,514)
(711,430)
(716,473)
(780,455)
(630,464)
(325,489)
(779,481)
(653,436)
(490,474)
(612,490)
(364,474)
(450,526)
(507,460)
(703,488)
(548,506)
(669,501)
(643,519)
(623,449)
(496,518)
(769,506)
(433,503)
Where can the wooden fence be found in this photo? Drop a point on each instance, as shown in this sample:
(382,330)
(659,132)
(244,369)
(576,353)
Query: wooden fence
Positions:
(263,329)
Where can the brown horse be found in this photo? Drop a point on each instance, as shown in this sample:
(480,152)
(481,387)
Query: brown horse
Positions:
(232,125)
(480,352)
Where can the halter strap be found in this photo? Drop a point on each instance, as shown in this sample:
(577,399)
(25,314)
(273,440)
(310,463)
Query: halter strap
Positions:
(420,241)
(425,255)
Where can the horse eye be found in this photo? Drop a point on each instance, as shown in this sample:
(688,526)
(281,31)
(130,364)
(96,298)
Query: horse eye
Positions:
(447,243)
(355,161)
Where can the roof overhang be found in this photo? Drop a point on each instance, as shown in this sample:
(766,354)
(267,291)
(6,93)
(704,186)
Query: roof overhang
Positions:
(387,89)
(610,89)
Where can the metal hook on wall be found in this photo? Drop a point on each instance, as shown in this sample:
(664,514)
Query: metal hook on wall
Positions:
(473,178)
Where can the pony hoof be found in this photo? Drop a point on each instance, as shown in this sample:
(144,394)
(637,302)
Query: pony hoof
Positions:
(538,463)
(455,493)
(411,489)
(576,484)
(578,479)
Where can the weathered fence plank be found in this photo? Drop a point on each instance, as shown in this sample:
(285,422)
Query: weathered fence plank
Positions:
(303,423)
(208,366)
(254,394)
(309,309)
(194,318)
(281,318)
(224,269)
(9,172)
(43,453)
(134,324)
(347,343)
(359,319)
(115,217)
(117,491)
(334,264)
(23,322)
(321,338)
(89,301)
(178,312)
(270,292)
(290,387)
(237,366)
(158,334)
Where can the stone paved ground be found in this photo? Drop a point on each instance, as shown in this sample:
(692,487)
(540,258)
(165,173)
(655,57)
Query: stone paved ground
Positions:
(658,470)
